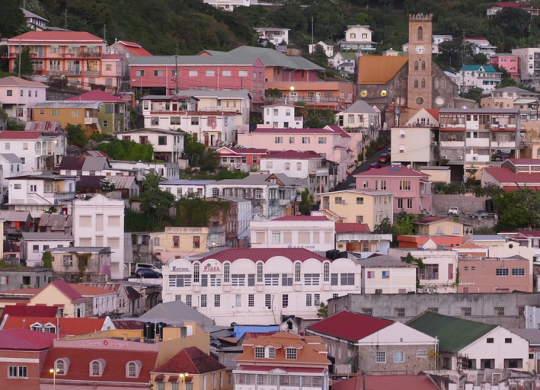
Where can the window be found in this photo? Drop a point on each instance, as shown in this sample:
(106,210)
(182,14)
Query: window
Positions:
(311,279)
(194,121)
(196,241)
(193,73)
(35,248)
(309,300)
(162,140)
(326,272)
(291,354)
(268,300)
(429,272)
(386,274)
(271,279)
(322,140)
(251,300)
(60,367)
(278,140)
(189,300)
(259,272)
(518,271)
(139,73)
(297,276)
(490,340)
(499,311)
(367,311)
(179,280)
(132,370)
(251,280)
(10,92)
(227,273)
(285,300)
(242,73)
(196,273)
(176,241)
(238,280)
(158,73)
(347,279)
(210,73)
(259,352)
(420,33)
(371,274)
(334,279)
(508,340)
(501,272)
(405,185)
(400,311)
(286,280)
(95,369)
(291,141)
(226,73)
(316,299)
(55,112)
(359,200)
(305,140)
(399,357)
(381,357)
(204,300)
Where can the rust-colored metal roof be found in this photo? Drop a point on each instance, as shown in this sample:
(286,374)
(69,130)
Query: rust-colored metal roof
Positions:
(379,69)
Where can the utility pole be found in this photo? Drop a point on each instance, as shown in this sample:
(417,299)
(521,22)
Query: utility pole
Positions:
(312,33)
(176,70)
(65,19)
(104,32)
(20,56)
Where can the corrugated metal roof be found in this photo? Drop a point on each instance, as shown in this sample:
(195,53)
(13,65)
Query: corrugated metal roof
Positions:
(11,158)
(360,106)
(264,254)
(40,236)
(68,104)
(18,82)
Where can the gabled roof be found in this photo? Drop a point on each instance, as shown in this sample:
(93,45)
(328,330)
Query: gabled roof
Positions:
(15,215)
(57,36)
(25,340)
(12,81)
(453,333)
(264,254)
(383,261)
(98,96)
(505,176)
(67,290)
(16,135)
(430,220)
(24,310)
(292,155)
(28,14)
(69,104)
(433,112)
(393,170)
(134,48)
(478,68)
(271,57)
(385,382)
(191,360)
(358,326)
(11,158)
(379,69)
(360,106)
(240,151)
(68,326)
(175,312)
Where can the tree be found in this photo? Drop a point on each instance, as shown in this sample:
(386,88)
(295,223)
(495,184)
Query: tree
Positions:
(127,150)
(317,119)
(47,259)
(193,211)
(319,57)
(76,135)
(193,149)
(473,94)
(404,224)
(517,209)
(384,227)
(306,201)
(209,161)
(26,67)
(409,259)
(12,20)
(155,202)
(480,59)
(322,311)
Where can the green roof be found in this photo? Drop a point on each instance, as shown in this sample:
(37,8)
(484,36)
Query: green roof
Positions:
(479,68)
(453,333)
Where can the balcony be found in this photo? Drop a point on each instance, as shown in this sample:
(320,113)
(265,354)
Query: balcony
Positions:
(63,196)
(54,73)
(503,144)
(90,121)
(89,54)
(478,142)
(453,144)
(91,73)
(73,72)
(320,171)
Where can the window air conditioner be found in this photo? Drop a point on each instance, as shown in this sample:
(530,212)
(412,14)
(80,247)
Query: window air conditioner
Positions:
(460,157)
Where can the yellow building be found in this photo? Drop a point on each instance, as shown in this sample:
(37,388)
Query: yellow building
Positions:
(59,293)
(358,206)
(181,241)
(437,226)
(84,113)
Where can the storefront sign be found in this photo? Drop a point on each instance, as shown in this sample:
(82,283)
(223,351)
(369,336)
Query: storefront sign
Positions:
(104,343)
(208,267)
(179,269)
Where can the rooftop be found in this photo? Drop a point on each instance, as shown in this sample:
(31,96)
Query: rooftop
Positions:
(26,340)
(190,360)
(352,227)
(53,37)
(264,254)
(97,95)
(385,382)
(12,81)
(393,170)
(379,69)
(292,155)
(299,218)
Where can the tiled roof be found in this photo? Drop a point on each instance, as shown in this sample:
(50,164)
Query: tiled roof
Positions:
(505,176)
(453,333)
(302,218)
(26,340)
(115,364)
(68,326)
(89,291)
(6,134)
(292,155)
(97,95)
(393,170)
(434,113)
(352,227)
(385,382)
(358,325)
(379,69)
(17,81)
(264,254)
(191,360)
(134,48)
(67,290)
(24,310)
(80,37)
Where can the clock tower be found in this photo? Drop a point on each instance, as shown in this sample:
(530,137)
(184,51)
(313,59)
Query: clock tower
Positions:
(420,88)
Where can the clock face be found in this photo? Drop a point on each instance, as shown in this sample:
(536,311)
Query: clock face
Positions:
(420,49)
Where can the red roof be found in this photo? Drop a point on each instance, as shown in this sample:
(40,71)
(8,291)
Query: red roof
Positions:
(240,151)
(326,130)
(68,326)
(191,360)
(292,155)
(67,290)
(507,176)
(24,310)
(302,218)
(393,170)
(510,5)
(264,254)
(6,134)
(358,326)
(525,161)
(314,370)
(434,113)
(352,227)
(428,220)
(135,48)
(115,364)
(56,36)
(385,382)
(24,339)
(97,95)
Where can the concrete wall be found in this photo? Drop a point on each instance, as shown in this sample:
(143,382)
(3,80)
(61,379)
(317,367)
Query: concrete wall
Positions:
(482,306)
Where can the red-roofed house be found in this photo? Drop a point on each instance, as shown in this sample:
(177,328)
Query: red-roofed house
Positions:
(197,370)
(513,174)
(128,49)
(112,115)
(23,355)
(315,233)
(429,242)
(63,295)
(357,237)
(385,382)
(331,142)
(59,325)
(249,286)
(243,159)
(411,188)
(77,55)
(283,360)
(373,344)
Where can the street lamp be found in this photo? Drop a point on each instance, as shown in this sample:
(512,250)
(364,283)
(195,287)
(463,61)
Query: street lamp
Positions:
(183,378)
(54,371)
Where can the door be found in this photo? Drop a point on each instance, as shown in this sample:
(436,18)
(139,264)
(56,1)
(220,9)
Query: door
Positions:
(317,97)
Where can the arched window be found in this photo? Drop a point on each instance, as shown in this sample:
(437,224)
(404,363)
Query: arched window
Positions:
(423,83)
(49,328)
(60,367)
(227,273)
(196,273)
(437,85)
(259,272)
(415,83)
(420,33)
(95,368)
(423,65)
(131,370)
(326,271)
(297,269)
(415,65)
(353,35)
(443,83)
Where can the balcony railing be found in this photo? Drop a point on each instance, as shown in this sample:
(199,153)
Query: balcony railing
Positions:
(92,73)
(61,196)
(90,121)
(54,73)
(73,72)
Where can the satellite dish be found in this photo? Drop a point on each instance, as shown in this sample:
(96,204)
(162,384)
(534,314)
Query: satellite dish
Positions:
(383,92)
(363,93)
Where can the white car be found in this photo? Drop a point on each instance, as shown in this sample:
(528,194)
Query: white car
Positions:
(453,210)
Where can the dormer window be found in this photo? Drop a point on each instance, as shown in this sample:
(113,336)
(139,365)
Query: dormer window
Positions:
(291,354)
(97,367)
(271,353)
(133,369)
(49,328)
(61,366)
(259,352)
(36,327)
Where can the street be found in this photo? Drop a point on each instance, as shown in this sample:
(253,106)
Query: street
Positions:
(363,167)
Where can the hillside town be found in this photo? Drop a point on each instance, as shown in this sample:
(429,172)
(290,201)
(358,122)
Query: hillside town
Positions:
(238,220)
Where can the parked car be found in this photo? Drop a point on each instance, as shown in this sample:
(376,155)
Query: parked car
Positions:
(479,214)
(453,210)
(500,156)
(375,165)
(384,158)
(145,273)
(147,266)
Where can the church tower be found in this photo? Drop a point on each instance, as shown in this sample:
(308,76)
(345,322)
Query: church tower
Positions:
(420,88)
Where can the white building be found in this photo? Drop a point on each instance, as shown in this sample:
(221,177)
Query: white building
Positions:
(437,40)
(387,275)
(17,96)
(484,77)
(183,188)
(482,46)
(527,69)
(35,22)
(229,5)
(99,222)
(358,38)
(274,35)
(314,233)
(282,116)
(168,170)
(33,245)
(34,148)
(359,115)
(10,164)
(168,144)
(328,49)
(258,286)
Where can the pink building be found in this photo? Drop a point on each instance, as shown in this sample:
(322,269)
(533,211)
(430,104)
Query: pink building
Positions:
(331,142)
(223,72)
(509,62)
(411,188)
(495,275)
(243,159)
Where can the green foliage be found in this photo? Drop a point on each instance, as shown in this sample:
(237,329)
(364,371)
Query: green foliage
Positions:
(322,311)
(193,149)
(76,135)
(319,56)
(193,211)
(155,203)
(317,119)
(83,263)
(404,224)
(384,227)
(409,259)
(127,150)
(12,20)
(517,209)
(226,174)
(306,202)
(209,161)
(273,93)
(473,94)
(26,67)
(47,259)
(480,59)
